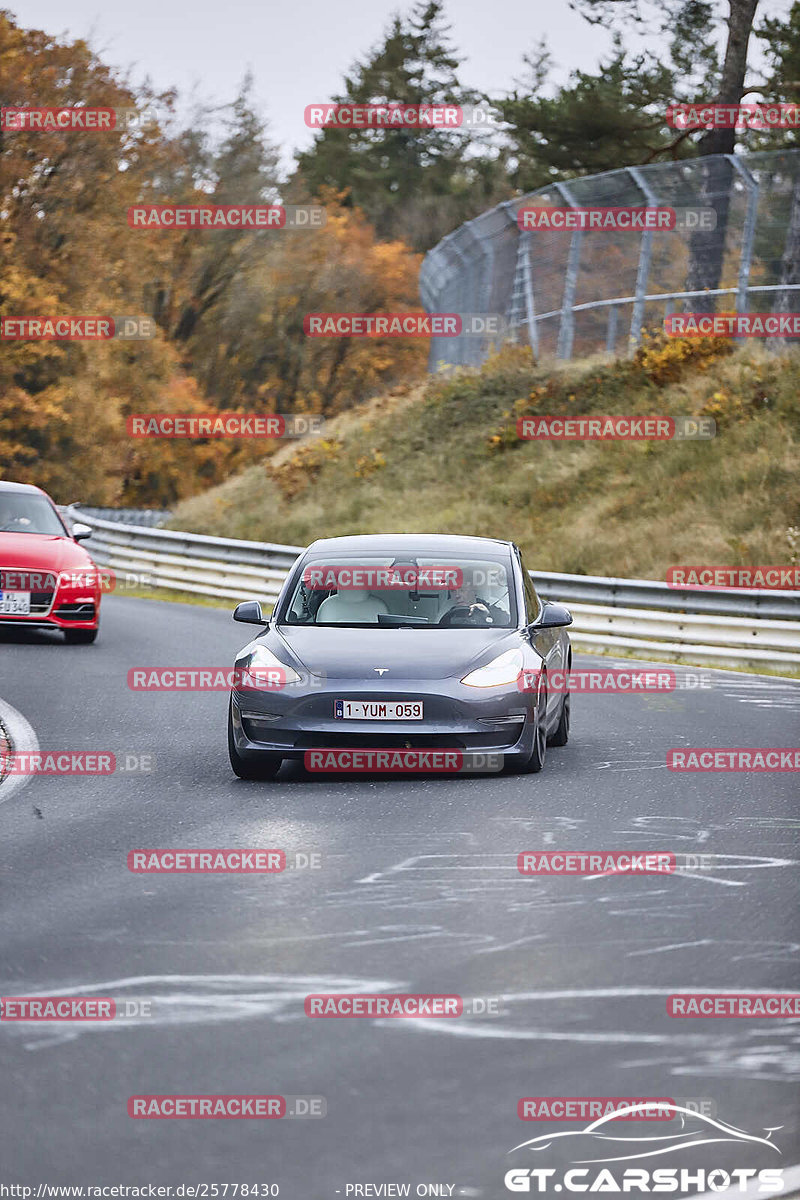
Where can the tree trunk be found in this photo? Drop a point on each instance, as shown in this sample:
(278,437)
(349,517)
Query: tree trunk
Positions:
(707,248)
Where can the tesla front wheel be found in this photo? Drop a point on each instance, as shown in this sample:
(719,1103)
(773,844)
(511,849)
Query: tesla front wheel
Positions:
(561,735)
(266,766)
(534,763)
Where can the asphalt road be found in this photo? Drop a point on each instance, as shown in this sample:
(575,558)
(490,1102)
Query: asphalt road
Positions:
(417,891)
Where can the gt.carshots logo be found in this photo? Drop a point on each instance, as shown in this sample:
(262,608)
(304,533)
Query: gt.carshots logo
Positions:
(591,1175)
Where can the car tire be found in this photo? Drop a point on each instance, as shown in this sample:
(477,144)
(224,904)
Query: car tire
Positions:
(561,735)
(534,763)
(266,766)
(80,637)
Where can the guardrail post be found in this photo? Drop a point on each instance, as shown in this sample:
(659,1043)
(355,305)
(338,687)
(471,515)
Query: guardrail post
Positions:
(523,288)
(566,327)
(749,232)
(611,334)
(645,255)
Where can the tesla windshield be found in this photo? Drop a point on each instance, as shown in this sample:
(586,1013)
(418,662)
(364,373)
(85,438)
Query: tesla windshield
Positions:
(394,592)
(25,512)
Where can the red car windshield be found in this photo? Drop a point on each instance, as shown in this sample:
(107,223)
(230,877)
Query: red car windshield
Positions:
(25,512)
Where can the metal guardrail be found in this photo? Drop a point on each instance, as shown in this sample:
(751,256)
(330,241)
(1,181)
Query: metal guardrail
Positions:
(129,516)
(648,619)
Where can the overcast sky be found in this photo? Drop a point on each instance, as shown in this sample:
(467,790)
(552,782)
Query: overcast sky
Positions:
(299,50)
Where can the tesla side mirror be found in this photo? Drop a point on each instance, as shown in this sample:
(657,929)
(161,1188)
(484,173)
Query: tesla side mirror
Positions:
(249,613)
(81,532)
(552,616)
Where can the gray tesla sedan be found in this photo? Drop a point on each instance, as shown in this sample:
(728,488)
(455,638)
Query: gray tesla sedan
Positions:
(401,652)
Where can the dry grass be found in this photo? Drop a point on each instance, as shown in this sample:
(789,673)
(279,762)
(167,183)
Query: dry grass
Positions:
(442,457)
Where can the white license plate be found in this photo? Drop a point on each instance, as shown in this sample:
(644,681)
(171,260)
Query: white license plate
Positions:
(378,710)
(16,604)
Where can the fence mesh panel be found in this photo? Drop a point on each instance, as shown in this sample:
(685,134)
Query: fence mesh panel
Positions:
(566,292)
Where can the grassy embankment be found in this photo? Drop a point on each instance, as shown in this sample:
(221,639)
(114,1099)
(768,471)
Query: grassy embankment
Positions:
(444,457)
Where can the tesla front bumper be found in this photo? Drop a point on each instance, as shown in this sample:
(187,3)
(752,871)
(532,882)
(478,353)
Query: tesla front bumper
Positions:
(298,718)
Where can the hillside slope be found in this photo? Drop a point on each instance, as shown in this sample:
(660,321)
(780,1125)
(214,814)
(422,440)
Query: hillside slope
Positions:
(444,457)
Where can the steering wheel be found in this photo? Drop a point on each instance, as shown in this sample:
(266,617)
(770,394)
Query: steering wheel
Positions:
(468,614)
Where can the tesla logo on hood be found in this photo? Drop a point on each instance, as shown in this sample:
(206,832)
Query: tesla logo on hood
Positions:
(381,670)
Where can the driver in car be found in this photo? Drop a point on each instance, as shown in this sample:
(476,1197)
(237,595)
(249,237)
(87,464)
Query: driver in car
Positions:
(10,517)
(471,609)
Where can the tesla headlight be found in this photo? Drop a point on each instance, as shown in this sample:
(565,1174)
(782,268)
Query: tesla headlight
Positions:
(263,671)
(503,670)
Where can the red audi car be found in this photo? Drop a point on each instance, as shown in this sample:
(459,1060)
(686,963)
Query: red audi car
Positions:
(47,581)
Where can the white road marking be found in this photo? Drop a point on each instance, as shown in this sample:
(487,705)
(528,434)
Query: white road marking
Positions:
(23,738)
